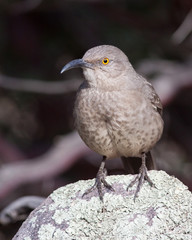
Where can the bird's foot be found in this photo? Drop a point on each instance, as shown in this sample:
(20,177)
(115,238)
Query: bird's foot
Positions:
(100,182)
(141,177)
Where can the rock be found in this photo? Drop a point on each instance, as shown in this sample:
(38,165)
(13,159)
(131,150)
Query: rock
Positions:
(161,212)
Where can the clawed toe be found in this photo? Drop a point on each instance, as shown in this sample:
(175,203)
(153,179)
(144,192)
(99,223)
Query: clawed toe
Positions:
(140,178)
(100,182)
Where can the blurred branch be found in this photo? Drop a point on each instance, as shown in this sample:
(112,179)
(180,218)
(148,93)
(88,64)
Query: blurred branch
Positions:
(19,209)
(184,29)
(169,78)
(9,152)
(24,6)
(59,158)
(38,86)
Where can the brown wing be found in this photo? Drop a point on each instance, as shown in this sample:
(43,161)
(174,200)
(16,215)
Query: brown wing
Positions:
(156,102)
(153,97)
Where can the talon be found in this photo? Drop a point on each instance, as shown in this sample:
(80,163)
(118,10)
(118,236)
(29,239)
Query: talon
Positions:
(100,181)
(141,177)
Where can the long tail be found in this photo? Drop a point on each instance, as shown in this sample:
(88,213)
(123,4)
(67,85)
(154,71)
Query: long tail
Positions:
(132,164)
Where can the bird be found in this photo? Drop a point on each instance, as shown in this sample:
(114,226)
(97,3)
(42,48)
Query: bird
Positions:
(117,112)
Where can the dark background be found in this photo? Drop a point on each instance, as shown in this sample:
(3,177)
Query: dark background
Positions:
(38,37)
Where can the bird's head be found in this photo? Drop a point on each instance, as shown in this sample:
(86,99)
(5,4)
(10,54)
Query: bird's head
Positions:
(104,67)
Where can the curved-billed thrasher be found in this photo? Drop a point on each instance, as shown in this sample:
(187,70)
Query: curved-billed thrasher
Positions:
(117,112)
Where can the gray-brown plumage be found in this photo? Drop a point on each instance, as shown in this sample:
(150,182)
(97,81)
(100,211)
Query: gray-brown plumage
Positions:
(117,111)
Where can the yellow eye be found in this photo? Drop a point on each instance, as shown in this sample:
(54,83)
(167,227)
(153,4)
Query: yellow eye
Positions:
(105,61)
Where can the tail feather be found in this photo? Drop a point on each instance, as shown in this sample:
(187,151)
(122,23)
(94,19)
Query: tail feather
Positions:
(132,164)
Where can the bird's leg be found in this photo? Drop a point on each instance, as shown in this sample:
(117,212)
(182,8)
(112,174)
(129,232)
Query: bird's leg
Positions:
(141,177)
(100,181)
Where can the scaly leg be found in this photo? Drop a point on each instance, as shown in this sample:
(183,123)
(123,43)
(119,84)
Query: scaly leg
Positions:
(100,181)
(141,177)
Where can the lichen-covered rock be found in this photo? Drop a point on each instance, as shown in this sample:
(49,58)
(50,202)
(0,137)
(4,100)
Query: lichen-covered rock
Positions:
(162,212)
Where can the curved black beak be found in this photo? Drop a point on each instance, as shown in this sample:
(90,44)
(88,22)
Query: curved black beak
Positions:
(75,64)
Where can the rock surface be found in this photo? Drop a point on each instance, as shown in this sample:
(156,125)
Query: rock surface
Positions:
(161,212)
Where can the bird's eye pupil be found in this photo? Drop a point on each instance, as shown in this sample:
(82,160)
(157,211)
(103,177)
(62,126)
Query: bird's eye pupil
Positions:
(105,61)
